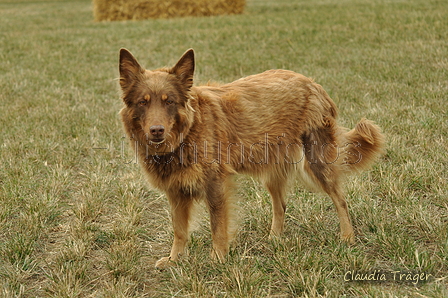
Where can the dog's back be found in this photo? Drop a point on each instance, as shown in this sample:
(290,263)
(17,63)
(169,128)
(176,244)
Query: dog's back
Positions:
(280,119)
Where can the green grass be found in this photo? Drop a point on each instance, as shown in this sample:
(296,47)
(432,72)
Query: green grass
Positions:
(77,221)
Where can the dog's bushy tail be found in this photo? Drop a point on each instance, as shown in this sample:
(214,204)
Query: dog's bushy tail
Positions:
(361,146)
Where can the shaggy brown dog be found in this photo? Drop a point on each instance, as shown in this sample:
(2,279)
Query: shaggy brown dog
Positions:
(275,126)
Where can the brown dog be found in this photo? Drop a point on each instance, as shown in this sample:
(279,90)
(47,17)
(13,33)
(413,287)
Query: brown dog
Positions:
(275,126)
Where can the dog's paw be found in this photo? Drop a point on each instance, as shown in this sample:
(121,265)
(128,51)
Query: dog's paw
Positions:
(348,238)
(277,230)
(274,236)
(218,256)
(164,263)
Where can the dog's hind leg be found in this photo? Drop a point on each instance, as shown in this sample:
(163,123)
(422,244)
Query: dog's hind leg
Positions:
(347,233)
(330,184)
(321,154)
(181,207)
(277,189)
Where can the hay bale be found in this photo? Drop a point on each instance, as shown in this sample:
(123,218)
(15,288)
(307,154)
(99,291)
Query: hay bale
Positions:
(118,10)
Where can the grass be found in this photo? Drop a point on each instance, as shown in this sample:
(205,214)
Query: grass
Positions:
(78,220)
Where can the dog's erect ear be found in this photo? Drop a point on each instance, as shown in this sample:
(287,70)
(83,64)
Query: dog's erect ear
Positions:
(184,68)
(130,70)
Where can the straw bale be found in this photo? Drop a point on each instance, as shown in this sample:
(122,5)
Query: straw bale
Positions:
(117,10)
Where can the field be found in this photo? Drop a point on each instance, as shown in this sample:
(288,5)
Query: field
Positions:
(77,218)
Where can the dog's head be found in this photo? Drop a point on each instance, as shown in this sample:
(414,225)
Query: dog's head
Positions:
(157,103)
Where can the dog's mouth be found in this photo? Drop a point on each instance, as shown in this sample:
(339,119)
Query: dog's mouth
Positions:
(157,141)
(160,146)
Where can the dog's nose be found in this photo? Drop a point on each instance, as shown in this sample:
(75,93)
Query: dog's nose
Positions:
(157,130)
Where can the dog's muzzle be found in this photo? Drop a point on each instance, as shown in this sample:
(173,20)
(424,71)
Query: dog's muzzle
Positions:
(157,132)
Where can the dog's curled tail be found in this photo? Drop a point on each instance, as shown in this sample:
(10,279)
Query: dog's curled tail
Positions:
(361,146)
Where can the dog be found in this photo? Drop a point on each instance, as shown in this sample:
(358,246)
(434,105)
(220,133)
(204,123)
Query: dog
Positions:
(275,126)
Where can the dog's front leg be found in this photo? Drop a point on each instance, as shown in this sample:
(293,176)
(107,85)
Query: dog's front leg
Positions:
(181,206)
(219,203)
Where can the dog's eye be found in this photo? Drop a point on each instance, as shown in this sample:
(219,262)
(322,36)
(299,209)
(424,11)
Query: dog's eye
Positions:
(142,103)
(169,102)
